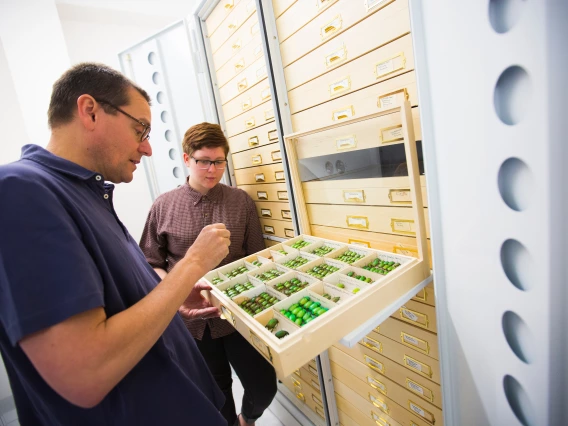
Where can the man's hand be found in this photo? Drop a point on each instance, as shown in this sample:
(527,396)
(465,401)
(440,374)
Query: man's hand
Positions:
(196,306)
(210,247)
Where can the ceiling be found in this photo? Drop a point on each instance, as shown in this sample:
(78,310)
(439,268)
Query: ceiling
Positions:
(174,9)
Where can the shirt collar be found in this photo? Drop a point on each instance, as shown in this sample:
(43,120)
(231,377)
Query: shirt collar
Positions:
(214,193)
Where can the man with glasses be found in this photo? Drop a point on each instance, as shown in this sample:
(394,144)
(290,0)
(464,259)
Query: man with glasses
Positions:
(172,226)
(88,333)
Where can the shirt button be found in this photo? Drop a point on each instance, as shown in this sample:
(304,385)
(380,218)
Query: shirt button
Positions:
(206,215)
(106,196)
(98,177)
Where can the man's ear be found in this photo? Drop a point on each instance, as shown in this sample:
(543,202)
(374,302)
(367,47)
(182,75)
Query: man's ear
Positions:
(186,159)
(87,111)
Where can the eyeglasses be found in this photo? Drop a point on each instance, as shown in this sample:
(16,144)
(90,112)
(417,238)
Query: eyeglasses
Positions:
(145,133)
(205,164)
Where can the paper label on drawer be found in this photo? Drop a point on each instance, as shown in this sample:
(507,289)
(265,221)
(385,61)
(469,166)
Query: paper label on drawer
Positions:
(258,50)
(418,366)
(354,196)
(389,100)
(417,409)
(289,233)
(262,195)
(261,72)
(413,364)
(400,196)
(279,175)
(376,384)
(315,385)
(404,226)
(385,67)
(343,114)
(261,346)
(358,222)
(349,142)
(282,195)
(253,141)
(415,387)
(339,86)
(378,403)
(410,339)
(259,177)
(265,94)
(409,315)
(373,3)
(276,155)
(373,363)
(373,344)
(265,213)
(286,214)
(391,134)
(257,159)
(360,243)
(269,229)
(379,420)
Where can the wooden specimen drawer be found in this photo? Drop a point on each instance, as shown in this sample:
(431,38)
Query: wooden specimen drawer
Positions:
(361,103)
(255,96)
(260,136)
(273,210)
(232,23)
(335,20)
(418,314)
(411,336)
(270,243)
(240,62)
(258,116)
(281,6)
(241,38)
(267,191)
(352,358)
(298,15)
(219,13)
(387,220)
(392,191)
(266,154)
(278,228)
(272,173)
(388,24)
(251,76)
(426,295)
(310,378)
(388,61)
(354,417)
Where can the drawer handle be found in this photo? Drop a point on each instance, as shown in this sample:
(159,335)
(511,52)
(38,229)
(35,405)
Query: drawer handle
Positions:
(256,159)
(312,370)
(276,155)
(282,195)
(289,233)
(273,135)
(259,177)
(229,5)
(246,104)
(269,229)
(374,364)
(336,56)
(331,27)
(300,396)
(380,404)
(375,384)
(296,383)
(279,176)
(342,114)
(348,142)
(357,222)
(418,366)
(253,141)
(379,420)
(373,344)
(319,412)
(316,399)
(242,85)
(414,342)
(227,315)
(265,213)
(232,26)
(360,243)
(285,214)
(339,86)
(400,196)
(239,65)
(416,318)
(425,414)
(316,386)
(403,226)
(354,196)
(421,296)
(249,123)
(236,45)
(262,195)
(322,3)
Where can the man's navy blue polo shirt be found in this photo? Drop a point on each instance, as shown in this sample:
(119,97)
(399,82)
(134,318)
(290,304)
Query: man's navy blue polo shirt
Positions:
(63,251)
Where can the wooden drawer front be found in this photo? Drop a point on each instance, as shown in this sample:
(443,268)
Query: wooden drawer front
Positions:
(311,379)
(240,39)
(418,314)
(389,61)
(240,62)
(267,192)
(388,220)
(273,173)
(267,154)
(270,243)
(239,84)
(221,11)
(278,228)
(351,358)
(255,96)
(232,23)
(378,385)
(251,119)
(359,104)
(304,384)
(411,336)
(426,295)
(301,12)
(385,242)
(272,210)
(393,191)
(353,417)
(257,137)
(389,23)
(281,6)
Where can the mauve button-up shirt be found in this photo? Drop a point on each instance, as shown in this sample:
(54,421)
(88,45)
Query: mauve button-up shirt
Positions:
(176,219)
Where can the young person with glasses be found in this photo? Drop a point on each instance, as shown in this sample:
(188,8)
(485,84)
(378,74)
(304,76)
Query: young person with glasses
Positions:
(173,224)
(88,332)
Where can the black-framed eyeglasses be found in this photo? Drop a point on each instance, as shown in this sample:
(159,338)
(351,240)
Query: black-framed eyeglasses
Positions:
(205,164)
(145,133)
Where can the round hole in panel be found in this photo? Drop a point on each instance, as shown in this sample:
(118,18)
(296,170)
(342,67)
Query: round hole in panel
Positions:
(177,172)
(515,184)
(512,96)
(160,97)
(328,167)
(169,135)
(518,264)
(519,401)
(173,154)
(157,78)
(152,58)
(519,337)
(165,116)
(504,14)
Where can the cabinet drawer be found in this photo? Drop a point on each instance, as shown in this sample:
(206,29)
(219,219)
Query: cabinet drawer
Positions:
(241,83)
(426,295)
(310,379)
(387,220)
(384,26)
(272,173)
(267,192)
(240,39)
(270,243)
(389,61)
(298,15)
(280,6)
(260,136)
(362,103)
(393,191)
(240,62)
(418,314)
(411,336)
(240,13)
(335,20)
(351,358)
(255,96)
(256,117)
(273,210)
(353,417)
(219,13)
(267,154)
(376,384)
(278,228)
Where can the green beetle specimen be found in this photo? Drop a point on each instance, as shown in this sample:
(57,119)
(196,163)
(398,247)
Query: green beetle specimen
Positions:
(282,333)
(271,324)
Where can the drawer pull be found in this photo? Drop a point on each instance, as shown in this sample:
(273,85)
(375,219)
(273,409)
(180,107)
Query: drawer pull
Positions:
(273,135)
(403,226)
(425,414)
(265,213)
(237,45)
(342,114)
(256,159)
(370,4)
(348,142)
(380,404)
(242,85)
(269,229)
(406,251)
(418,366)
(240,65)
(246,104)
(259,177)
(316,399)
(373,344)
(420,390)
(421,296)
(289,233)
(261,72)
(339,86)
(232,26)
(258,50)
(282,195)
(229,4)
(391,65)
(279,176)
(375,384)
(331,27)
(276,155)
(360,243)
(262,195)
(354,196)
(414,343)
(400,196)
(316,386)
(300,396)
(357,222)
(269,114)
(416,318)
(319,412)
(391,134)
(379,420)
(336,57)
(262,347)
(390,100)
(253,141)
(296,383)
(374,364)
(286,214)
(254,29)
(312,370)
(265,94)
(227,315)
(249,123)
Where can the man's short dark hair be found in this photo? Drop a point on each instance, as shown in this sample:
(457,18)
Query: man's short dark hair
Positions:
(88,78)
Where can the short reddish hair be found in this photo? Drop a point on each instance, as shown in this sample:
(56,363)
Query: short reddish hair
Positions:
(204,135)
